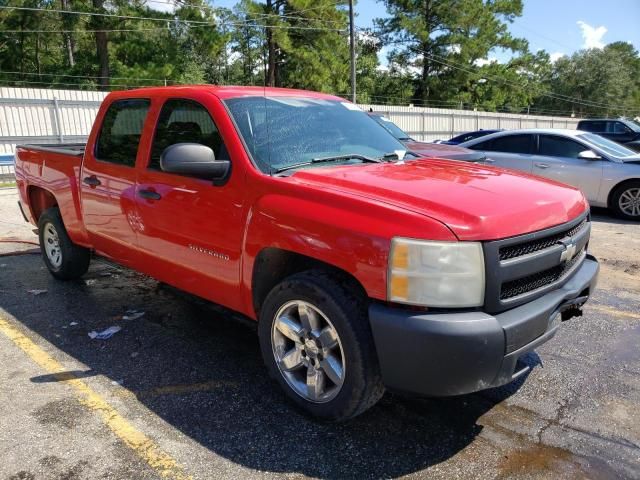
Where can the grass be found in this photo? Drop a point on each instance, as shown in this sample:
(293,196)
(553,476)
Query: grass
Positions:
(7,184)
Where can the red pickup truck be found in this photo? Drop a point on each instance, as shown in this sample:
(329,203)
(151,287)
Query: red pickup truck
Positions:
(365,266)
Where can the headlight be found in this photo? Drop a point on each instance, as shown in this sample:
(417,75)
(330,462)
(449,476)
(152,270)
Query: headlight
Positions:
(436,274)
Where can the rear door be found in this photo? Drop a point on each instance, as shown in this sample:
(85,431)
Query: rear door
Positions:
(508,151)
(108,179)
(191,229)
(557,158)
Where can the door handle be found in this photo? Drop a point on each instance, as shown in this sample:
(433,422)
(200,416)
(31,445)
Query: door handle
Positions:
(149,194)
(542,165)
(92,181)
(489,160)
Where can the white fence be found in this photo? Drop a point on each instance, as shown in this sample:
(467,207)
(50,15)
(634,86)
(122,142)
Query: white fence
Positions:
(45,116)
(429,124)
(56,116)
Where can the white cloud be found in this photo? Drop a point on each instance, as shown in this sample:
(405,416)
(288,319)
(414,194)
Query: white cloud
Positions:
(592,35)
(481,62)
(555,56)
(162,5)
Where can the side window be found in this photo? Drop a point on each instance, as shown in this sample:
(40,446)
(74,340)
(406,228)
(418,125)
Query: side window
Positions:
(619,127)
(121,130)
(553,146)
(511,144)
(595,127)
(185,121)
(486,145)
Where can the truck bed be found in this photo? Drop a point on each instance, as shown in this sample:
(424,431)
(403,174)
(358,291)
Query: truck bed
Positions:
(75,149)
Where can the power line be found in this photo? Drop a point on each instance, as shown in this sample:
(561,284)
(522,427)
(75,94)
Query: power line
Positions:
(170,20)
(84,76)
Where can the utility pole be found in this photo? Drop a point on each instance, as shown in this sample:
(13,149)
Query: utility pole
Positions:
(352,40)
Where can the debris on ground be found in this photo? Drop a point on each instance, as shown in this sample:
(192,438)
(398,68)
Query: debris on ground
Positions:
(105,334)
(3,265)
(132,314)
(35,291)
(89,282)
(134,354)
(73,324)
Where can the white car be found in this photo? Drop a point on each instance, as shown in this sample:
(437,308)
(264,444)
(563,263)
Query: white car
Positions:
(608,173)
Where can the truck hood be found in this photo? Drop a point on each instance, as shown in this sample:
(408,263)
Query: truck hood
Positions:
(476,202)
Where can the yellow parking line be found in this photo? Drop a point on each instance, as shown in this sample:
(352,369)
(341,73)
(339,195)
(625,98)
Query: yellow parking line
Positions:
(142,445)
(613,311)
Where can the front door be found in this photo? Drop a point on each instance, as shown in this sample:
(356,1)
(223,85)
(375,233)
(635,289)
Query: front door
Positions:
(557,158)
(191,230)
(108,179)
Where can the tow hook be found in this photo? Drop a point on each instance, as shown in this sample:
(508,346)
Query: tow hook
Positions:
(573,308)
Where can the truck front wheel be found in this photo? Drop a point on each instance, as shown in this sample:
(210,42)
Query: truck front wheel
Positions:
(317,344)
(64,259)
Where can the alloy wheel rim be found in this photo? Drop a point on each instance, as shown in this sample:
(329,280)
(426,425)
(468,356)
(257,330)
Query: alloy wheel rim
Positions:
(308,351)
(52,245)
(629,202)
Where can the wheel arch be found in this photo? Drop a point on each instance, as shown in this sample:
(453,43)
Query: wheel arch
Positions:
(617,186)
(40,199)
(272,265)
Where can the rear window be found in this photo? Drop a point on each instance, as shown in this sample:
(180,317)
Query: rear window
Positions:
(596,127)
(121,131)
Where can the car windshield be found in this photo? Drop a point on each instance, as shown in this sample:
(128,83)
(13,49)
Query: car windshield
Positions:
(607,146)
(391,127)
(282,132)
(632,125)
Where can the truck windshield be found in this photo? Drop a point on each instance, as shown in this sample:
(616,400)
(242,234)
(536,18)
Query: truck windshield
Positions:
(282,132)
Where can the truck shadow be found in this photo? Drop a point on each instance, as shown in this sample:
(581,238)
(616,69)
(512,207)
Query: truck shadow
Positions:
(201,372)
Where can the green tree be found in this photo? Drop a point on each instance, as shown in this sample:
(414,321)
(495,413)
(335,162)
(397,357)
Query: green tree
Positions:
(597,82)
(434,37)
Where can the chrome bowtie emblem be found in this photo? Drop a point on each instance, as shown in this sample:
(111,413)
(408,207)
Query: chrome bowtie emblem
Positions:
(569,251)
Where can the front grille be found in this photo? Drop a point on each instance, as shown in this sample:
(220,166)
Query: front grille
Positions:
(538,280)
(522,268)
(514,251)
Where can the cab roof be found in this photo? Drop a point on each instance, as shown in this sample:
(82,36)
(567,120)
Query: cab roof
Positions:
(224,92)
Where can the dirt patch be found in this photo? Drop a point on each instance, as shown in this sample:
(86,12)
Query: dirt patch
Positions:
(546,461)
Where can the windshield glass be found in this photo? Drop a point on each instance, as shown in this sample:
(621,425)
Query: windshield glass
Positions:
(391,127)
(632,125)
(286,131)
(608,146)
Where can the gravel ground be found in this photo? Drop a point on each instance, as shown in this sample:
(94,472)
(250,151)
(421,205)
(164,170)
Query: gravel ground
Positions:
(189,377)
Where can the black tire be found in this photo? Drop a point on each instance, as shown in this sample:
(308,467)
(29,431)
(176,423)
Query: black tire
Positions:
(74,259)
(615,200)
(336,298)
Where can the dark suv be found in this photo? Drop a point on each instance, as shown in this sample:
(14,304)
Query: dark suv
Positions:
(621,131)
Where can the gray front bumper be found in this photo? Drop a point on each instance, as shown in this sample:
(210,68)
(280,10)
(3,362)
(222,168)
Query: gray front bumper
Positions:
(442,354)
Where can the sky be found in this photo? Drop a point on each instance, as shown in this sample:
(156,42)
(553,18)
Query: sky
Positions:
(560,27)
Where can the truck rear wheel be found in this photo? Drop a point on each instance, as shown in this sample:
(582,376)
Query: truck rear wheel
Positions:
(317,344)
(64,259)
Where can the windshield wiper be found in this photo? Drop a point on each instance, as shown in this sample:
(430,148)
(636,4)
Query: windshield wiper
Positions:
(335,158)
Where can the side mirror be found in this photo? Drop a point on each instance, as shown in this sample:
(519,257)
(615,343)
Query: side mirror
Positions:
(194,160)
(589,155)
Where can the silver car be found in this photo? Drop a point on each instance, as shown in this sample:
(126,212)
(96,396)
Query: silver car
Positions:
(608,173)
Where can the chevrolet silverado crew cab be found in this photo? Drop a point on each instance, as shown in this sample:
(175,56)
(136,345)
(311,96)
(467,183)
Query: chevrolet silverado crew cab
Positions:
(365,266)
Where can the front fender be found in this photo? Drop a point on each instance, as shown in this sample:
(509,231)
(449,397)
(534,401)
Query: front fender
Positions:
(351,234)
